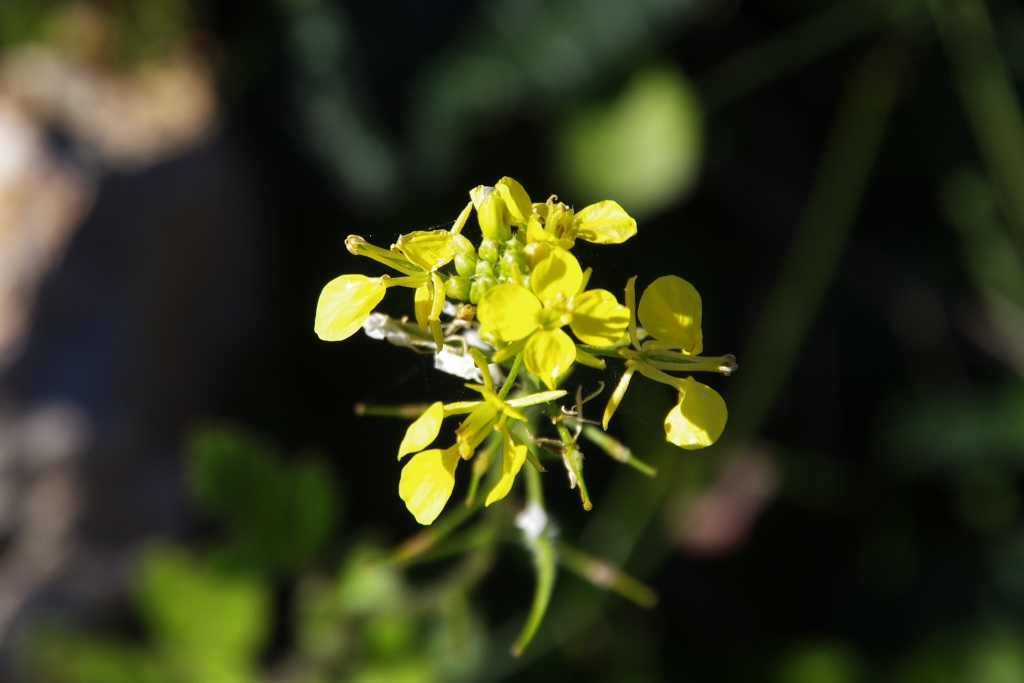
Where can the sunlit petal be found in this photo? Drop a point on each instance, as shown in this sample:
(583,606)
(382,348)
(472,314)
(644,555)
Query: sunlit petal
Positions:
(428,249)
(512,458)
(344,305)
(549,355)
(423,431)
(670,311)
(509,311)
(558,274)
(598,319)
(698,419)
(604,223)
(516,199)
(427,482)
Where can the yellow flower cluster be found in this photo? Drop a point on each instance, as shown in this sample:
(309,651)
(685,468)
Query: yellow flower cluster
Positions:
(523,285)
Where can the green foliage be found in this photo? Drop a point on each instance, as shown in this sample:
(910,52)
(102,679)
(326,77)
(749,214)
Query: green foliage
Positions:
(131,31)
(204,627)
(278,516)
(644,147)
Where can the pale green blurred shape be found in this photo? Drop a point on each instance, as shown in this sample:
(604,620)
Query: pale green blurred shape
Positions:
(209,627)
(821,663)
(643,148)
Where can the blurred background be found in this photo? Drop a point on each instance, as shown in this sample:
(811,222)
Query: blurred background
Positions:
(186,493)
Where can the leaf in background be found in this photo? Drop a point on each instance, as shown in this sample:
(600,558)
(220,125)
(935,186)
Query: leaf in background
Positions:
(208,627)
(278,515)
(59,657)
(643,148)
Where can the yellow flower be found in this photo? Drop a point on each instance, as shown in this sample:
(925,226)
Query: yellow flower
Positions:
(670,311)
(429,476)
(551,224)
(531,319)
(347,301)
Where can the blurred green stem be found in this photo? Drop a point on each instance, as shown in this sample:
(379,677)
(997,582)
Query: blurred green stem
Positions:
(605,575)
(818,243)
(747,71)
(987,92)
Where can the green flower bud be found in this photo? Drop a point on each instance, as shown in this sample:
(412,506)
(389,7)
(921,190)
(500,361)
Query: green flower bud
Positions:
(494,219)
(465,264)
(485,269)
(488,250)
(513,259)
(458,288)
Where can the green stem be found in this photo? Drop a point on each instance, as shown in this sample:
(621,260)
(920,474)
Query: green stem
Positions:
(988,94)
(507,386)
(605,575)
(617,450)
(836,192)
(408,411)
(544,562)
(609,351)
(428,538)
(747,71)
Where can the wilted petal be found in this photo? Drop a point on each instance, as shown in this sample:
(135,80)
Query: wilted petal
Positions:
(345,303)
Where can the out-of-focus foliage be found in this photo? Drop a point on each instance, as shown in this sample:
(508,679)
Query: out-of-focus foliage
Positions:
(203,626)
(644,147)
(126,32)
(276,517)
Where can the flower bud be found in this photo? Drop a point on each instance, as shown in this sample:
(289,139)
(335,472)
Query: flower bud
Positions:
(458,288)
(488,249)
(465,264)
(495,222)
(485,269)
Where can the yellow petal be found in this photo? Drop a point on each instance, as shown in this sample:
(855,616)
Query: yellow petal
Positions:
(421,303)
(604,223)
(616,399)
(559,273)
(512,458)
(549,355)
(345,304)
(698,419)
(428,249)
(516,199)
(670,312)
(460,222)
(598,319)
(478,193)
(509,311)
(427,482)
(423,431)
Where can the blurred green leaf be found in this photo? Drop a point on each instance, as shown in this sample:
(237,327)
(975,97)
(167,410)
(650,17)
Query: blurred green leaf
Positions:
(279,516)
(59,657)
(643,148)
(208,626)
(824,663)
